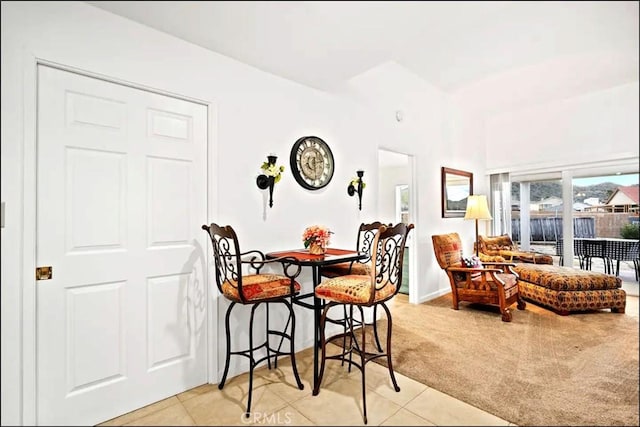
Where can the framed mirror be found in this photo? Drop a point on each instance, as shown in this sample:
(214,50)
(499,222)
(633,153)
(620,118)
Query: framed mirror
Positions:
(457,185)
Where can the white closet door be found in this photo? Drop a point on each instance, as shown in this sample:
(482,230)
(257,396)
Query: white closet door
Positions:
(121,195)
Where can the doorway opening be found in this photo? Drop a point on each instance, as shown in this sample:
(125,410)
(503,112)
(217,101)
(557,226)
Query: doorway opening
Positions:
(395,204)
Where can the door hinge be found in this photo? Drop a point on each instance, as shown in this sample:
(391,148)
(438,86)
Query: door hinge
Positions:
(44,273)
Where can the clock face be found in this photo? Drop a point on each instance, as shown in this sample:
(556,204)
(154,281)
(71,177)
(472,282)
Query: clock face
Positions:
(311,162)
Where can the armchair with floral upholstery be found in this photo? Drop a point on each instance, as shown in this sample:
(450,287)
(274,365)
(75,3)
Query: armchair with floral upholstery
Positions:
(503,246)
(484,283)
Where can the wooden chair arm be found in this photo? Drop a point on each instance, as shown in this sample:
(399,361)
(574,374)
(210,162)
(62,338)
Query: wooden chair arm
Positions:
(508,267)
(483,282)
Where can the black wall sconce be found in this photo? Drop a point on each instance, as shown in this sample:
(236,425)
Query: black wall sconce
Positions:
(268,179)
(356,186)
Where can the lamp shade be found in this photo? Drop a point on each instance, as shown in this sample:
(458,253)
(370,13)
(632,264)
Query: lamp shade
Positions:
(477,207)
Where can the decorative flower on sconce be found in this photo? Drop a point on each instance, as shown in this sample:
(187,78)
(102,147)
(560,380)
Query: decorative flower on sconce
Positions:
(272,175)
(356,186)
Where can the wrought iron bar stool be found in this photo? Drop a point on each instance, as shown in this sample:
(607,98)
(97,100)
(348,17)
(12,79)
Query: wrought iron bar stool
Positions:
(364,244)
(254,290)
(356,291)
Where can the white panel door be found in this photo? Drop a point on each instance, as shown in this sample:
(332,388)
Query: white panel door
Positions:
(121,195)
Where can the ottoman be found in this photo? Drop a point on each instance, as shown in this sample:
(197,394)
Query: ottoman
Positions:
(565,289)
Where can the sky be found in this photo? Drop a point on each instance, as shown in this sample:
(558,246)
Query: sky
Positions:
(630,179)
(457,192)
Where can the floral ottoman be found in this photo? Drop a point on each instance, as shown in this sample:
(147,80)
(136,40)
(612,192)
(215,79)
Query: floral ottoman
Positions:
(565,289)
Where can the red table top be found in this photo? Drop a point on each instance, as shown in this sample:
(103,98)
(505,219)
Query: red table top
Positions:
(332,255)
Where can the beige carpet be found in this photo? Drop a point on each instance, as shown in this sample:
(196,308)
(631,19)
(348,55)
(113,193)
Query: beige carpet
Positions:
(540,369)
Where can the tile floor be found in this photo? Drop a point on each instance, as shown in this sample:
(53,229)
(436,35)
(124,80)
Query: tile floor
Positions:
(277,401)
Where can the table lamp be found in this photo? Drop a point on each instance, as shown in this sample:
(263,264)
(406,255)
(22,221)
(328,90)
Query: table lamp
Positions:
(477,208)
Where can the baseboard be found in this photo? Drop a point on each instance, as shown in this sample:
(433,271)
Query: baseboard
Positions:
(434,295)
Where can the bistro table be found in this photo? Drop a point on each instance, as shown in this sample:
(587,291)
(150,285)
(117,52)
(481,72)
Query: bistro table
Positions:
(316,262)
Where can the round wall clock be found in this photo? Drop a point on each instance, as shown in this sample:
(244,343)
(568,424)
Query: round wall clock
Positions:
(311,162)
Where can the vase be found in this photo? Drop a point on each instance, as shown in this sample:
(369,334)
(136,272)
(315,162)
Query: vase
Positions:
(316,249)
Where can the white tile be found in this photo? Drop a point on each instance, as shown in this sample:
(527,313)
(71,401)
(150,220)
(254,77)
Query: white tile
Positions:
(405,418)
(443,410)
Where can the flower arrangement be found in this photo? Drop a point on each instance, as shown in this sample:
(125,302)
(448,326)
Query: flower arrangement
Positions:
(316,235)
(270,169)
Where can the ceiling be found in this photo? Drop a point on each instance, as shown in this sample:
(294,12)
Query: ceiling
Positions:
(552,48)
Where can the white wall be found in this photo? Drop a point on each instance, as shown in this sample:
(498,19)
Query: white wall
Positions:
(424,133)
(598,126)
(257,113)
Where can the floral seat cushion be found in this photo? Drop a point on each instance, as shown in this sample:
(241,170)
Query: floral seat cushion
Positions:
(256,287)
(509,281)
(353,289)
